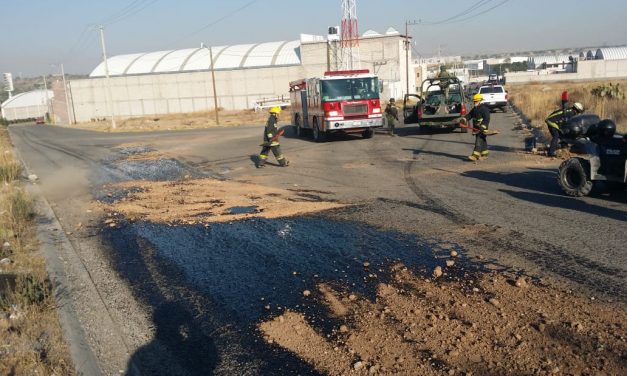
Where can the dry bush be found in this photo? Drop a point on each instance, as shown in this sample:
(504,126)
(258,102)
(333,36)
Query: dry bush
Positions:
(9,167)
(537,100)
(17,211)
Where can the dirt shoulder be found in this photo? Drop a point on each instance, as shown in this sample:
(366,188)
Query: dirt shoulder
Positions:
(491,324)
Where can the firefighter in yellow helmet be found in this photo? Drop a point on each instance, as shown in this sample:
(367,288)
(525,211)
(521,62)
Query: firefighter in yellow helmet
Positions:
(555,120)
(271,134)
(480,115)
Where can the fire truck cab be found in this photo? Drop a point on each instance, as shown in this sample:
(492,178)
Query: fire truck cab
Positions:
(340,101)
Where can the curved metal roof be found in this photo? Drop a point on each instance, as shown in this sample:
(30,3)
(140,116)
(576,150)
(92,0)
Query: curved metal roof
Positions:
(611,53)
(549,60)
(30,98)
(193,59)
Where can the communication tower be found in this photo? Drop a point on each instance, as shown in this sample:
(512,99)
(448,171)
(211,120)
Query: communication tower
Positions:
(349,41)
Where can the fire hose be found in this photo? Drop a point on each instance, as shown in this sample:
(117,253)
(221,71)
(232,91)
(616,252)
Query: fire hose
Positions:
(487,132)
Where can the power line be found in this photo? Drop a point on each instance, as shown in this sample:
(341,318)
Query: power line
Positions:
(133,9)
(217,21)
(472,8)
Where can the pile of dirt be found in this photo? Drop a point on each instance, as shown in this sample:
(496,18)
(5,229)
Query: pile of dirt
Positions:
(211,200)
(490,324)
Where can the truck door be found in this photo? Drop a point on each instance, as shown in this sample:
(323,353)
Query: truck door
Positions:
(303,98)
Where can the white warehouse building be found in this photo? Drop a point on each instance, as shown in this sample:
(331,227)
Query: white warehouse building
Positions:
(181,80)
(28,105)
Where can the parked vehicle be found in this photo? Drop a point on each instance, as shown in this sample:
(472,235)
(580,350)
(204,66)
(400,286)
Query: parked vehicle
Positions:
(429,108)
(340,101)
(601,155)
(495,96)
(40,120)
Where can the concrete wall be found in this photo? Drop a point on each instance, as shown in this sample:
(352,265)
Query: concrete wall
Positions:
(164,93)
(142,95)
(586,70)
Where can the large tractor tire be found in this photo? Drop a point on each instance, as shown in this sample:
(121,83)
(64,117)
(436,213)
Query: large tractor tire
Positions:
(573,178)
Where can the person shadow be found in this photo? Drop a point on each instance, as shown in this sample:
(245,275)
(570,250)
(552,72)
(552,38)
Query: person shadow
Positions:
(178,348)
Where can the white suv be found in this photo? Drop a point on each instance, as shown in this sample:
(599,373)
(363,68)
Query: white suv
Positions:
(495,96)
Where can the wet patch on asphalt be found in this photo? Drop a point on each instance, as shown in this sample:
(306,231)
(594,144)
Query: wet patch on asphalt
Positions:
(125,165)
(249,270)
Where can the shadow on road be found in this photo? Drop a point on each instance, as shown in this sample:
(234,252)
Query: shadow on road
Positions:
(417,152)
(565,202)
(545,191)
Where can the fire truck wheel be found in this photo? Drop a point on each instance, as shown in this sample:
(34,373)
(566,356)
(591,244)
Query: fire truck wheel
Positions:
(318,135)
(299,131)
(368,133)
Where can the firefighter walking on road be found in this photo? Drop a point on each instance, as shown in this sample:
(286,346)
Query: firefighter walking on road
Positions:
(555,120)
(480,115)
(391,114)
(271,134)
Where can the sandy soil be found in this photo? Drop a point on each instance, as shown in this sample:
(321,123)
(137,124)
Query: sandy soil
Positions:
(493,324)
(211,200)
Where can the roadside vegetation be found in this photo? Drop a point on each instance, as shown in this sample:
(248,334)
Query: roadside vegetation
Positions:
(31,340)
(191,120)
(537,100)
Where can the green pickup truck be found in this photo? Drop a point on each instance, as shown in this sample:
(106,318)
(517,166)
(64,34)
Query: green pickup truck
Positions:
(431,110)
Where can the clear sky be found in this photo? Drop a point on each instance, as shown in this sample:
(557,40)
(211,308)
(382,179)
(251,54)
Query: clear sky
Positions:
(38,35)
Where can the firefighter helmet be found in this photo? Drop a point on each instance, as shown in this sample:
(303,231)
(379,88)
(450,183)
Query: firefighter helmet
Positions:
(477,97)
(275,110)
(578,107)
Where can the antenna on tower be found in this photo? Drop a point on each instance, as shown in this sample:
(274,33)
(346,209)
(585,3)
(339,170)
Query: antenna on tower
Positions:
(350,35)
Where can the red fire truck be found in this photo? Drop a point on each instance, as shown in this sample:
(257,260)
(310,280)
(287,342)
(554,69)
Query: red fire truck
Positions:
(340,101)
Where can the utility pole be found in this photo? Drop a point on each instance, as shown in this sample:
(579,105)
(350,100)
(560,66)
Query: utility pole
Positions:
(47,114)
(213,82)
(108,81)
(67,99)
(407,44)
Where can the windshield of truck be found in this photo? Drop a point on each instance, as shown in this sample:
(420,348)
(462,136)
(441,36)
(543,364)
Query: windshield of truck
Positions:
(349,89)
(491,89)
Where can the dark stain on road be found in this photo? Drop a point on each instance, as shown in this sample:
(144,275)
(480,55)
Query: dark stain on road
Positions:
(232,275)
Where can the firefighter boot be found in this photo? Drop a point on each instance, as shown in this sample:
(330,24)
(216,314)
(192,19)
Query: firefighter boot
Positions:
(284,162)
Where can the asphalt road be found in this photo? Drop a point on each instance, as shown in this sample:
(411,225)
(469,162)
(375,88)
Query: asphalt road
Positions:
(508,210)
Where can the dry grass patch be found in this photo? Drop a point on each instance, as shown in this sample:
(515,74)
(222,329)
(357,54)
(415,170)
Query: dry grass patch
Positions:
(31,340)
(537,100)
(183,121)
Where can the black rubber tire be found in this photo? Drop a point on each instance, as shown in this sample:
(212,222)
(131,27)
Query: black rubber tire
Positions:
(318,135)
(368,133)
(300,132)
(573,178)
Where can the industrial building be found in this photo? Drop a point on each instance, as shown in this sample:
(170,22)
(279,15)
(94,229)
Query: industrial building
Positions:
(28,105)
(183,80)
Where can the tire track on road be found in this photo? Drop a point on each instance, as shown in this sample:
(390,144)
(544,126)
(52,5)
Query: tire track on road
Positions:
(555,259)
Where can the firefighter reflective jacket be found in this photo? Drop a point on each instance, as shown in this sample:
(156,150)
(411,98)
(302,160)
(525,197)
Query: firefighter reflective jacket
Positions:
(271,131)
(480,116)
(558,117)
